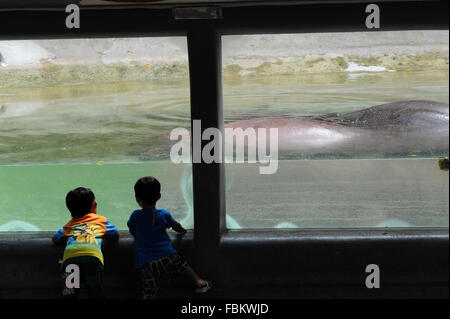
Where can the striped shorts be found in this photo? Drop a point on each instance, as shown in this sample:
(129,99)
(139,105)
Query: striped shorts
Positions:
(150,273)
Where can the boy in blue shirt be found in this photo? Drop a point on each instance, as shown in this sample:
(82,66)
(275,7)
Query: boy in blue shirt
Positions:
(155,255)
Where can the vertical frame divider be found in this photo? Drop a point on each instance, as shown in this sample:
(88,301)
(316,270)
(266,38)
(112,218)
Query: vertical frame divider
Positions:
(205,72)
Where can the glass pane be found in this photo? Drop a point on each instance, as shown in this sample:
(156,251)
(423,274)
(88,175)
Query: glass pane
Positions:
(95,113)
(347,157)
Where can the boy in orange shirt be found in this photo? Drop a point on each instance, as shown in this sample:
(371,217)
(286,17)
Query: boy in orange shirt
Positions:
(83,237)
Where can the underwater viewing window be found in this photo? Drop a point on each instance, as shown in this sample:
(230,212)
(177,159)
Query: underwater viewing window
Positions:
(95,113)
(362,120)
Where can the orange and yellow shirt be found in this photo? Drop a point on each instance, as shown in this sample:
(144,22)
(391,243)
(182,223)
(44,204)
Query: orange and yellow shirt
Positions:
(84,235)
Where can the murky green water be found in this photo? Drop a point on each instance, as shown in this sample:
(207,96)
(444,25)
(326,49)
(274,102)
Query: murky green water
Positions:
(88,123)
(339,194)
(105,136)
(36,194)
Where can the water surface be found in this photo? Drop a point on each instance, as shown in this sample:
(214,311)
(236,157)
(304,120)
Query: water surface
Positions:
(105,136)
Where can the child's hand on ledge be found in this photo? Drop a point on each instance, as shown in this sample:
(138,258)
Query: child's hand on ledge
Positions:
(179,236)
(176,226)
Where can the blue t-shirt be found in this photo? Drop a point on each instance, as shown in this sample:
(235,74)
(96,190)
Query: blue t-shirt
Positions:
(152,241)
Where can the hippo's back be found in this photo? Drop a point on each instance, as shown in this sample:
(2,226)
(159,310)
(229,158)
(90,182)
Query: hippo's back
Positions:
(402,115)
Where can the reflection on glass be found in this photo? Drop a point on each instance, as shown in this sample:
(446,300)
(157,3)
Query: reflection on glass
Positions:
(99,117)
(362,120)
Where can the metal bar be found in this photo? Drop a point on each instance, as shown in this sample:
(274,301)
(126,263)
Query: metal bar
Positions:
(164,4)
(335,17)
(205,71)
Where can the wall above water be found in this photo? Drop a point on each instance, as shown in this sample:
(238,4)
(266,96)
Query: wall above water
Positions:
(75,61)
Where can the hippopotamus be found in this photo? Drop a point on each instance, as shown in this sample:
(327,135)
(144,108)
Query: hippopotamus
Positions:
(403,116)
(406,127)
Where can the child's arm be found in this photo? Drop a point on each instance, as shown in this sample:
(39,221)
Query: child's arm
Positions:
(111,231)
(176,226)
(131,226)
(58,237)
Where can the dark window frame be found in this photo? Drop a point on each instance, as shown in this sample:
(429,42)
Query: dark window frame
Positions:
(415,257)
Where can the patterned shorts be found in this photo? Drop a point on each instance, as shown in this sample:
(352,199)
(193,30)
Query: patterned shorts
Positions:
(91,277)
(150,273)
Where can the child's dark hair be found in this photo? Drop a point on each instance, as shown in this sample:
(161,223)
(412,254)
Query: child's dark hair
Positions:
(79,201)
(147,189)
